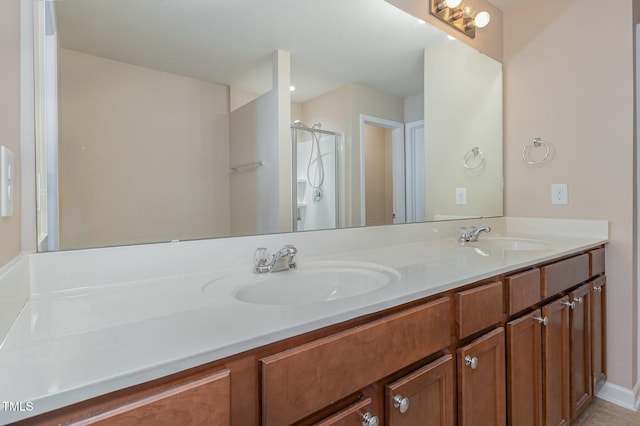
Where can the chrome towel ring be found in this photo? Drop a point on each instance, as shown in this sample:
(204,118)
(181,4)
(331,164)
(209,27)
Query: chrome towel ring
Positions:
(526,151)
(473,153)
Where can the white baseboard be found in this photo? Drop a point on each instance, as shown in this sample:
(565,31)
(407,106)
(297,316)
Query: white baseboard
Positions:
(623,397)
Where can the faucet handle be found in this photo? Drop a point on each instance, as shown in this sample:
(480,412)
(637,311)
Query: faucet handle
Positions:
(463,235)
(261,257)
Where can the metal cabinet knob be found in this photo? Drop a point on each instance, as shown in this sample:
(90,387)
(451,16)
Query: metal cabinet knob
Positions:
(578,299)
(369,419)
(473,362)
(401,403)
(597,288)
(572,305)
(544,321)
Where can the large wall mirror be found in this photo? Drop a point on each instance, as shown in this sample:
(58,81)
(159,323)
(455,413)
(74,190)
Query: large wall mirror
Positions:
(161,120)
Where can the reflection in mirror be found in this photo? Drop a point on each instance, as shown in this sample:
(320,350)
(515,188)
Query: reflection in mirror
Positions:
(316,188)
(174,119)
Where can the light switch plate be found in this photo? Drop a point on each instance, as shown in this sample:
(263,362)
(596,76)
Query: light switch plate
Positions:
(7,175)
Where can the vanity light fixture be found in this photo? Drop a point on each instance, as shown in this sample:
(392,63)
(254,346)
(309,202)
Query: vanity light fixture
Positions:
(462,17)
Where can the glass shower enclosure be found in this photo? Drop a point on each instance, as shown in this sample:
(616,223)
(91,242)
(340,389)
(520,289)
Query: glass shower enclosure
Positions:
(315,172)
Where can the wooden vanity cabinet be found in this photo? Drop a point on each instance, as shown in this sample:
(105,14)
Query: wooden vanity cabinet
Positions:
(540,371)
(580,349)
(524,370)
(598,318)
(555,362)
(303,380)
(357,414)
(206,400)
(424,397)
(549,349)
(598,290)
(481,380)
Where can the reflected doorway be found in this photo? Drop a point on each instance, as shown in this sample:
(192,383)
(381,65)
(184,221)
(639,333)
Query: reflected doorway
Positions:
(392,171)
(382,171)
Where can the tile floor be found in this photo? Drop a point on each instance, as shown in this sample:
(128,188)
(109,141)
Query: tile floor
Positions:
(603,413)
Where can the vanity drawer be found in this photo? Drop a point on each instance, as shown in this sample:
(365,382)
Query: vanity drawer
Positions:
(478,308)
(597,262)
(523,290)
(559,276)
(302,380)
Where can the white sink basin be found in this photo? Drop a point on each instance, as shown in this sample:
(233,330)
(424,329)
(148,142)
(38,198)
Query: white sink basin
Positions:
(309,283)
(511,243)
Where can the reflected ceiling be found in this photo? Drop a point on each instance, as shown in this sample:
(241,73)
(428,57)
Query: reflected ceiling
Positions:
(191,38)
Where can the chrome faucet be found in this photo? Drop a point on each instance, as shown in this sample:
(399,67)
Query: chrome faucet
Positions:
(470,235)
(283,260)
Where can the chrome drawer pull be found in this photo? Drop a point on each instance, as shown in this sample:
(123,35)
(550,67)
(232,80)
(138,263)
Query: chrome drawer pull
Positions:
(544,321)
(473,362)
(369,419)
(401,403)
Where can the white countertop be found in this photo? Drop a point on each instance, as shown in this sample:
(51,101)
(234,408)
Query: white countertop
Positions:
(72,345)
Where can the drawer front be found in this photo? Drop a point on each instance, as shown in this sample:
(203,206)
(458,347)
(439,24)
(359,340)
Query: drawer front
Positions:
(300,381)
(478,308)
(353,415)
(561,275)
(206,400)
(597,262)
(523,290)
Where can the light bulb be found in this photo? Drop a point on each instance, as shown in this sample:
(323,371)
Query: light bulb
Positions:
(482,19)
(452,3)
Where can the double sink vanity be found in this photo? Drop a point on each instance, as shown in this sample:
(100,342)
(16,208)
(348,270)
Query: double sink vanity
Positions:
(397,326)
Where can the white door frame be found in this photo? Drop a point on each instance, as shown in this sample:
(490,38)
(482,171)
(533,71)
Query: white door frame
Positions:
(412,186)
(397,136)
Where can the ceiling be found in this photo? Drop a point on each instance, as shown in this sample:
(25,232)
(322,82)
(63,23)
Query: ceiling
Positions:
(506,5)
(331,42)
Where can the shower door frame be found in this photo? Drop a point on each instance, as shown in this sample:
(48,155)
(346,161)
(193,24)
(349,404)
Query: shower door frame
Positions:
(294,174)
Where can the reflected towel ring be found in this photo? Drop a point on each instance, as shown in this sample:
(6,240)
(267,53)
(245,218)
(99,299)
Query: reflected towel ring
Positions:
(473,153)
(535,143)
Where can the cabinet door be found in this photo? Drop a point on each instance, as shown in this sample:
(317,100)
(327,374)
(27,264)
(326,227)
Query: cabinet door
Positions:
(580,347)
(481,381)
(555,363)
(202,401)
(424,397)
(303,380)
(598,332)
(358,414)
(524,370)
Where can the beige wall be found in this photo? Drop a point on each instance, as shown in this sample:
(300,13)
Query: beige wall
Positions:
(462,113)
(168,136)
(253,136)
(10,227)
(569,80)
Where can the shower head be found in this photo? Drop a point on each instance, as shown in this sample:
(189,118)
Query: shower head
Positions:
(298,123)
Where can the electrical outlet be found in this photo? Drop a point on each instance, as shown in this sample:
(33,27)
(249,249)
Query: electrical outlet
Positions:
(461,196)
(559,193)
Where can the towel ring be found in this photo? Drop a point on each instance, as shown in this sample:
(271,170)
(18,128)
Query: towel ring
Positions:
(535,143)
(473,153)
